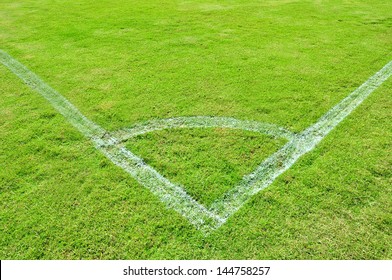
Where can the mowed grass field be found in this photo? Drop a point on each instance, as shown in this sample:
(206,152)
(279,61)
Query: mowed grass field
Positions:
(123,62)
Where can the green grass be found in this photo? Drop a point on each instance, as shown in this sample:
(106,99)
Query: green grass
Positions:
(205,162)
(122,62)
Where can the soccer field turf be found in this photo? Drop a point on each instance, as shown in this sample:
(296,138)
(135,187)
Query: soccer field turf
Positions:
(126,62)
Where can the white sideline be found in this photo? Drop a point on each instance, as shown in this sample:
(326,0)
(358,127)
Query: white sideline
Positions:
(174,196)
(302,143)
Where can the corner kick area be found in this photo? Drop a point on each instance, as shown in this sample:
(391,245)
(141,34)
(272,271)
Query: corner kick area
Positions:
(174,196)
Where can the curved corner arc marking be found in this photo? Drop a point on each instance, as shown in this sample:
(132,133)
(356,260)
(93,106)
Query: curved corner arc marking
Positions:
(202,122)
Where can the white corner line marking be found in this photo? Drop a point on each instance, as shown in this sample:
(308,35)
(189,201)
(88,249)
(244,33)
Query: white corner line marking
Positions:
(174,196)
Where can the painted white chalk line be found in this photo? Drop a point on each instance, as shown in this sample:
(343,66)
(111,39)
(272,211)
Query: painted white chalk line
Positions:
(174,196)
(302,143)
